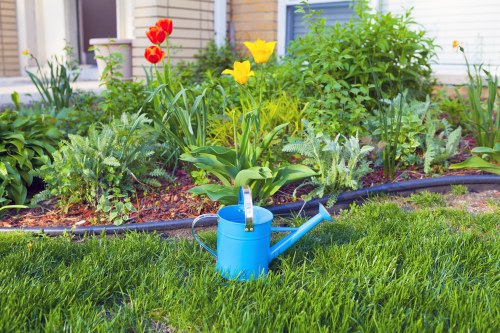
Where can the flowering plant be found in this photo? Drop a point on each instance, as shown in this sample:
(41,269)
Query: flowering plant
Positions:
(242,165)
(179,114)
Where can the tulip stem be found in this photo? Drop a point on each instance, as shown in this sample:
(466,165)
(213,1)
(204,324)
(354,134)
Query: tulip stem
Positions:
(168,59)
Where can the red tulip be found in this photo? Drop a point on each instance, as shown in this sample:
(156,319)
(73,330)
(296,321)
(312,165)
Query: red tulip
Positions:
(156,35)
(154,54)
(165,25)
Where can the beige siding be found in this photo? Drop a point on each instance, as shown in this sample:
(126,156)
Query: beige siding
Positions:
(9,51)
(475,23)
(193,22)
(252,19)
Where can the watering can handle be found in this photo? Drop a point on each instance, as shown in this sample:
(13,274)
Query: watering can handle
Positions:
(193,225)
(245,199)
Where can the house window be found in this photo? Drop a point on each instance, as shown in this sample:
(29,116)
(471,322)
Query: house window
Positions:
(291,24)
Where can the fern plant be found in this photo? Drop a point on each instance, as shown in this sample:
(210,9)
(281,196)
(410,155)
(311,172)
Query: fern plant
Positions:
(340,165)
(441,147)
(103,168)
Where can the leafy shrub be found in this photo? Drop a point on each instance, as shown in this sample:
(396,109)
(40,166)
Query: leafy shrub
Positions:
(340,165)
(124,97)
(26,142)
(104,167)
(334,67)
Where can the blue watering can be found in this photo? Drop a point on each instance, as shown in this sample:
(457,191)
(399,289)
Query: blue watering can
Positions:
(244,237)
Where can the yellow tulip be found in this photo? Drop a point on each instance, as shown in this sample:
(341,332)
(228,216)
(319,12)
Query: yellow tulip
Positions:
(261,51)
(25,52)
(241,71)
(455,44)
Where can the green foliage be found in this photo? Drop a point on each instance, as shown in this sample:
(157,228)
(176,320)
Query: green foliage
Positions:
(26,142)
(459,189)
(211,60)
(124,97)
(452,108)
(54,82)
(340,165)
(481,117)
(244,165)
(113,62)
(181,118)
(103,168)
(481,163)
(441,147)
(427,199)
(276,111)
(399,124)
(333,67)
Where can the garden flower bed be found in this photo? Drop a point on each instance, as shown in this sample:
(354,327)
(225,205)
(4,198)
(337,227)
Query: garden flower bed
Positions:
(316,124)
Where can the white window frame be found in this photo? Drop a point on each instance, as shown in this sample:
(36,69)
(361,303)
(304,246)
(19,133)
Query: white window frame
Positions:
(282,24)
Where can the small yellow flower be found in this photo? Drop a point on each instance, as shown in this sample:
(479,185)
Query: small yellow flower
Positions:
(25,52)
(261,51)
(241,72)
(30,245)
(455,44)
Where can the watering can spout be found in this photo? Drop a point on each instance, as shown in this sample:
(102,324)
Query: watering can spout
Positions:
(294,236)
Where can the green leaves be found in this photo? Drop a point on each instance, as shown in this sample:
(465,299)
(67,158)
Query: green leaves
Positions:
(242,165)
(476,162)
(331,67)
(340,165)
(105,167)
(25,143)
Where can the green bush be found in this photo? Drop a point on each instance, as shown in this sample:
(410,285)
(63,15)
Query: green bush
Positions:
(124,97)
(334,67)
(210,61)
(104,168)
(26,142)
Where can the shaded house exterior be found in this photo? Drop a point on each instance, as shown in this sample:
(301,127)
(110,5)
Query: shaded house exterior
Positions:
(42,26)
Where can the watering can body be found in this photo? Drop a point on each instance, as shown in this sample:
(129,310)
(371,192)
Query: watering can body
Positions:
(244,247)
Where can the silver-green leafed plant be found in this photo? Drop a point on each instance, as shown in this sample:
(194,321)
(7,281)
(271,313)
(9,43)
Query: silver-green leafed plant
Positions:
(340,162)
(104,168)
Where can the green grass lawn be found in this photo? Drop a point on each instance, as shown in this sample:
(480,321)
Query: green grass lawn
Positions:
(378,268)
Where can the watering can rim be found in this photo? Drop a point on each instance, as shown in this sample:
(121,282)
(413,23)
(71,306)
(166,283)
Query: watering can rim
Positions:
(256,220)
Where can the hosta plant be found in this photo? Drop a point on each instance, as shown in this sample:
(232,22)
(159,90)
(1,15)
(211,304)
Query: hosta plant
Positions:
(340,162)
(26,142)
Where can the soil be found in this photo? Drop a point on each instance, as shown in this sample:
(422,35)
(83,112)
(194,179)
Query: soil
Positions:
(173,202)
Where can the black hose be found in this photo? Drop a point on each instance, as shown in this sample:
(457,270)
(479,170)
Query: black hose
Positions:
(475,183)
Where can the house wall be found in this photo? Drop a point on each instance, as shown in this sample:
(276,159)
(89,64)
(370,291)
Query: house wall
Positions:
(252,19)
(9,51)
(193,27)
(475,23)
